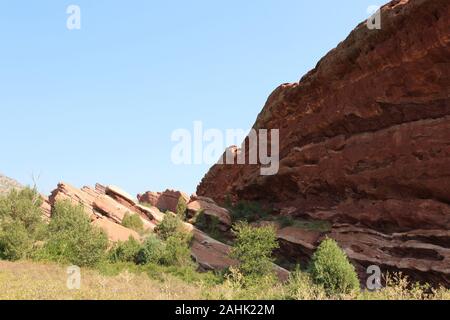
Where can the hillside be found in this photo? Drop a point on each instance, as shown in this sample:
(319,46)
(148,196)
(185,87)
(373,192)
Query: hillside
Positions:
(7,184)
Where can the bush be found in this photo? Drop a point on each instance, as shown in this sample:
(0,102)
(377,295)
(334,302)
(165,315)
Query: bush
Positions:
(125,251)
(21,224)
(170,226)
(151,251)
(133,222)
(72,238)
(286,221)
(209,225)
(331,269)
(248,211)
(253,249)
(15,243)
(24,207)
(181,208)
(176,251)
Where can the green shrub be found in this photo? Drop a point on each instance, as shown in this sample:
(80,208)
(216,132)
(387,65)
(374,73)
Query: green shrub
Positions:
(330,268)
(253,249)
(22,206)
(209,225)
(72,238)
(151,251)
(170,225)
(286,221)
(133,222)
(248,211)
(176,251)
(181,208)
(21,224)
(126,251)
(15,243)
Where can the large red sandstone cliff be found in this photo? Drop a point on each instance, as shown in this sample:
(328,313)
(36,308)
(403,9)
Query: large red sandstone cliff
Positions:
(365,144)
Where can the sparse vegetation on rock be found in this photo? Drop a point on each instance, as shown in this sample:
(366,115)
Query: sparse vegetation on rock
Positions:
(248,211)
(134,222)
(181,208)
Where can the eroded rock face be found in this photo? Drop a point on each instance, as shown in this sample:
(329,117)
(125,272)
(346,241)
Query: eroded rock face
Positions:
(364,141)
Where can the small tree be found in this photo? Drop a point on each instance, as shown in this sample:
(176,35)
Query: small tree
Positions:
(176,251)
(72,238)
(134,222)
(170,225)
(181,208)
(24,207)
(21,224)
(330,268)
(15,242)
(253,249)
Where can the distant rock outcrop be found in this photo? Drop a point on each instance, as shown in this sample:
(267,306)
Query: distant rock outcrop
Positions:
(8,184)
(364,144)
(164,201)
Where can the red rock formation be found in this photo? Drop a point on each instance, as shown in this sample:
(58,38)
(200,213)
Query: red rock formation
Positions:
(46,208)
(107,206)
(164,201)
(210,209)
(364,140)
(104,211)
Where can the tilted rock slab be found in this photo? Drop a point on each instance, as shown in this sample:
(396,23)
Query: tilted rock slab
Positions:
(107,205)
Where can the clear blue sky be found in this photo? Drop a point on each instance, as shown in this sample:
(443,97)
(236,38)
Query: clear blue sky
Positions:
(99,104)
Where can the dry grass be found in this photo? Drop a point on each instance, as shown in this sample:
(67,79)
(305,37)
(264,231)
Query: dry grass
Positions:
(42,281)
(47,281)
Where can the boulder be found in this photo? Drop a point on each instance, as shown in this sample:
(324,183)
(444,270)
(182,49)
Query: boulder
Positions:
(164,201)
(210,209)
